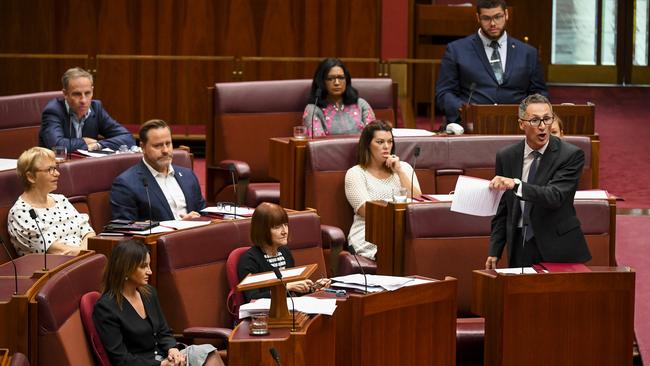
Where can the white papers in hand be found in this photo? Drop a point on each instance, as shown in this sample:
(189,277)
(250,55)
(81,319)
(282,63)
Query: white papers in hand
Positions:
(305,304)
(521,270)
(473,196)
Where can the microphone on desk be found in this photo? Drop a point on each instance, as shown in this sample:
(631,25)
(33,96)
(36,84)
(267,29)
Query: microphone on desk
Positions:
(365,278)
(278,274)
(32,213)
(472,86)
(311,120)
(276,356)
(146,188)
(231,168)
(70,138)
(4,245)
(416,153)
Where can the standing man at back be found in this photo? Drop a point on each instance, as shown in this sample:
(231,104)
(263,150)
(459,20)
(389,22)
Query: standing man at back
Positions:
(76,121)
(488,67)
(540,175)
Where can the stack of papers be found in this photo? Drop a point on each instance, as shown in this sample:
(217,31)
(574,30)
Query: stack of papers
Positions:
(473,196)
(517,270)
(376,283)
(96,154)
(8,164)
(170,225)
(305,304)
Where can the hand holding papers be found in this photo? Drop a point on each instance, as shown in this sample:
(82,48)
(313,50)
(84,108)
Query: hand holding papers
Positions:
(473,196)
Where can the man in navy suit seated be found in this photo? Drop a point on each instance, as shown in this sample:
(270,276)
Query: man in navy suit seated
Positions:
(88,117)
(489,66)
(173,190)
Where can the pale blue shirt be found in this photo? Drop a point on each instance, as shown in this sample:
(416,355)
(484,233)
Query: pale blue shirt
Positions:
(76,123)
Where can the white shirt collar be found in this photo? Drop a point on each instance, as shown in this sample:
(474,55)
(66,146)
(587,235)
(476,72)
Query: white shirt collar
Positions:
(155,173)
(502,41)
(528,149)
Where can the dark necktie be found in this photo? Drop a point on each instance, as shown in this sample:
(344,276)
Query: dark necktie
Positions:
(527,205)
(495,62)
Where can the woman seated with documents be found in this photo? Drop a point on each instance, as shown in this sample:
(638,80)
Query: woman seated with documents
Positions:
(269,234)
(334,105)
(129,319)
(39,219)
(379,175)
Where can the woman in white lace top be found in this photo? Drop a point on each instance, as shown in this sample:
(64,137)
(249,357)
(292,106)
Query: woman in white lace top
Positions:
(375,176)
(64,229)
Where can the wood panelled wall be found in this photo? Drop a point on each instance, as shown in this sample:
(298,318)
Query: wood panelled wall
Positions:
(175,90)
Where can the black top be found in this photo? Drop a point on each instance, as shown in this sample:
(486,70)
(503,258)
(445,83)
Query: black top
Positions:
(129,339)
(253,261)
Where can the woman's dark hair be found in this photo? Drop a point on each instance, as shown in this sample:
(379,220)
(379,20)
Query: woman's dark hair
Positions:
(367,135)
(266,216)
(125,258)
(350,95)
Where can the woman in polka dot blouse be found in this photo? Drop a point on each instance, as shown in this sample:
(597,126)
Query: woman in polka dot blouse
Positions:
(65,230)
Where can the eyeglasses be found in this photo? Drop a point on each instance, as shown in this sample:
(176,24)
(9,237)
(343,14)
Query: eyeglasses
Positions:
(496,19)
(332,79)
(52,169)
(536,121)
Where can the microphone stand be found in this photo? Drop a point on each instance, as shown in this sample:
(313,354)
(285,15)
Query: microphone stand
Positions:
(32,213)
(365,278)
(231,167)
(146,188)
(4,245)
(70,138)
(316,97)
(416,153)
(278,274)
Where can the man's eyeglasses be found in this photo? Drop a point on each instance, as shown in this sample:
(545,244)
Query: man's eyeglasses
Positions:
(496,19)
(331,79)
(52,169)
(547,120)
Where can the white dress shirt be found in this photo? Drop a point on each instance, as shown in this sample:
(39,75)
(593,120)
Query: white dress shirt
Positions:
(171,189)
(528,162)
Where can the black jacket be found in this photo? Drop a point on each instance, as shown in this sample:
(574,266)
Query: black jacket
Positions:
(253,261)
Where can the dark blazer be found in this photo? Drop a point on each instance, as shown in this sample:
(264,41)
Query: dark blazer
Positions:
(253,261)
(55,127)
(552,216)
(465,62)
(129,339)
(129,198)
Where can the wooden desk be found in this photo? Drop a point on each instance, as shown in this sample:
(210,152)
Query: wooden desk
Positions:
(287,165)
(312,345)
(414,325)
(502,119)
(15,322)
(385,227)
(557,318)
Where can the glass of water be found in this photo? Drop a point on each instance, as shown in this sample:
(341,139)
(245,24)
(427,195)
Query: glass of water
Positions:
(399,195)
(60,153)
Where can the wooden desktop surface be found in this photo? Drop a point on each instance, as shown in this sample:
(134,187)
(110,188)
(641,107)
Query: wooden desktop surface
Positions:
(557,318)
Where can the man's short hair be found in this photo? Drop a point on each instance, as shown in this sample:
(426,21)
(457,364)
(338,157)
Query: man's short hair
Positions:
(74,73)
(489,4)
(532,99)
(150,125)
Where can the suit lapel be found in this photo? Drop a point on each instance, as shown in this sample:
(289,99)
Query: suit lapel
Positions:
(546,163)
(157,196)
(517,166)
(511,58)
(480,53)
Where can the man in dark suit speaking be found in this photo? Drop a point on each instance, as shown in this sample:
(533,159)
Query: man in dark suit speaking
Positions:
(488,67)
(76,121)
(540,175)
(174,191)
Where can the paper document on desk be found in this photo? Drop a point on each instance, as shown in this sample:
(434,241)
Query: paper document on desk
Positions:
(473,196)
(375,282)
(516,270)
(97,153)
(592,194)
(304,304)
(183,224)
(8,164)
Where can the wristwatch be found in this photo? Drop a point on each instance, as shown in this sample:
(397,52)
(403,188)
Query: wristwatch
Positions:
(517,184)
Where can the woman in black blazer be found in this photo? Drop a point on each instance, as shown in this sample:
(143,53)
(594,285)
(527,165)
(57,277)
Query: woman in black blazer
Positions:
(270,234)
(129,319)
